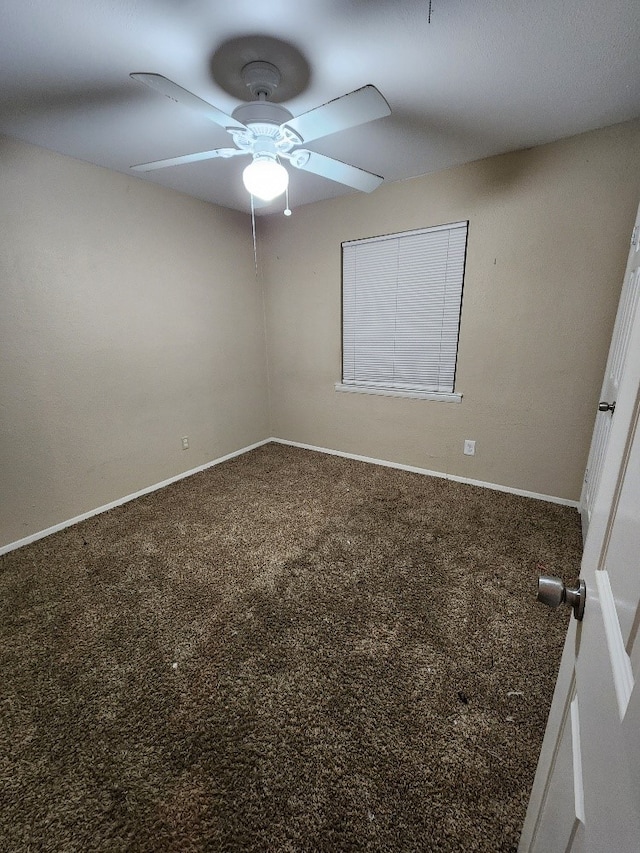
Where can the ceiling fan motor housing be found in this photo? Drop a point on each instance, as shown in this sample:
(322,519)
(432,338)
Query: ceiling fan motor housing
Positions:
(264,121)
(261,112)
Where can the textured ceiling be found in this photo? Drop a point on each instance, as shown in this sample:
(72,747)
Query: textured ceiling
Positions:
(481,78)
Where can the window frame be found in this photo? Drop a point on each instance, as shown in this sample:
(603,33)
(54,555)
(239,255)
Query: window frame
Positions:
(400,388)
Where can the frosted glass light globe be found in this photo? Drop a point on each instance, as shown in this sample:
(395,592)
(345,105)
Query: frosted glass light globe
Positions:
(265,178)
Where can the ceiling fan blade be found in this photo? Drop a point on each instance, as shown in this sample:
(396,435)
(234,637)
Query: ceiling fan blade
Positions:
(188,158)
(171,90)
(350,110)
(335,170)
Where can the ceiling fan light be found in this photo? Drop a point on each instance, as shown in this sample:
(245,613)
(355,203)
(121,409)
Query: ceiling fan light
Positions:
(265,178)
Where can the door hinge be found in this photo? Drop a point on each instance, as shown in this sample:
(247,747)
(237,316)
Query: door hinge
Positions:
(634,235)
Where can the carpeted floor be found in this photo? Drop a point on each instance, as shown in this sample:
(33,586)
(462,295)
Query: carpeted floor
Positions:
(287,652)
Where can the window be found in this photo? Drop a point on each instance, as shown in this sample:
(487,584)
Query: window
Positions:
(401,301)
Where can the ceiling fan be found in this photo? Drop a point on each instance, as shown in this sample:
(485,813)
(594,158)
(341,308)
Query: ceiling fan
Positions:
(269,133)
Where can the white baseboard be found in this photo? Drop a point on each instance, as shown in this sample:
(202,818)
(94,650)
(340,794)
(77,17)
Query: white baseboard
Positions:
(4,549)
(495,486)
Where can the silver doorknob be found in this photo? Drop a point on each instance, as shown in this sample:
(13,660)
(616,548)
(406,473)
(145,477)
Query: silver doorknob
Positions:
(606,407)
(552,591)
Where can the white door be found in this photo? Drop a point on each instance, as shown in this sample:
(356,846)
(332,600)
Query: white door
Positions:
(609,393)
(586,794)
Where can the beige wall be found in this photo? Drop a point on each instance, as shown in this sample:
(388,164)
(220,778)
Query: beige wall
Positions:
(548,240)
(130,316)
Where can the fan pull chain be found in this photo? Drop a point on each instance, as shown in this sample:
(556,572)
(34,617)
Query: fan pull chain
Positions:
(253,231)
(287,210)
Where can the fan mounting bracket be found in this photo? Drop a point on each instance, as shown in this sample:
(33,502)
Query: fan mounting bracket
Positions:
(261,78)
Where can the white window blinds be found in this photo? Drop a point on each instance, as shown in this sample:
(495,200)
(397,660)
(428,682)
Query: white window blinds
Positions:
(401,298)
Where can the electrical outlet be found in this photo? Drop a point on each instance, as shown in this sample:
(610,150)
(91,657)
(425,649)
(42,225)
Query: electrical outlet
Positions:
(469,447)
(185,442)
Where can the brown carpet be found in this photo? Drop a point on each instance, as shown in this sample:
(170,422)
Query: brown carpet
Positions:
(287,652)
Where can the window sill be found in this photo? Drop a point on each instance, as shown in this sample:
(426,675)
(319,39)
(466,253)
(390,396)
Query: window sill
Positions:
(394,392)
